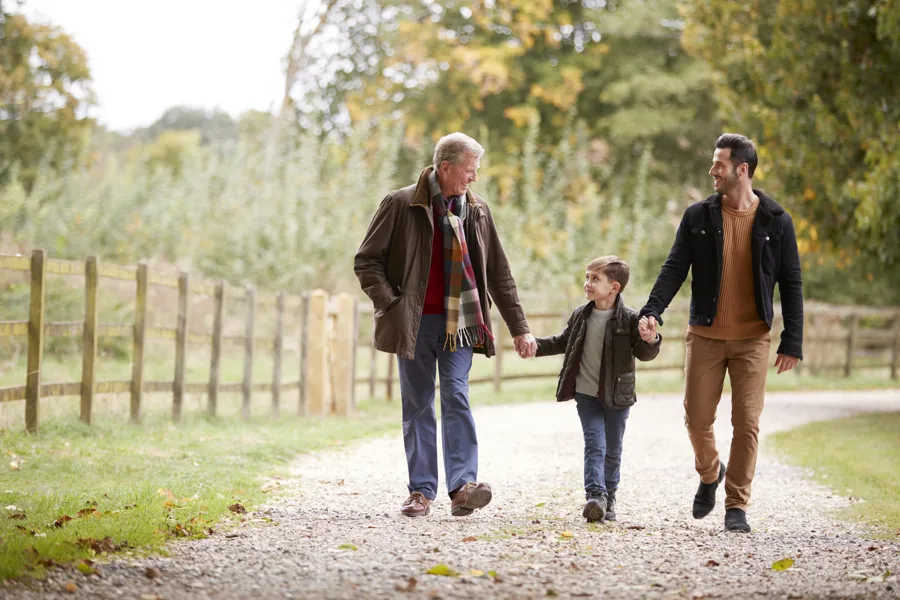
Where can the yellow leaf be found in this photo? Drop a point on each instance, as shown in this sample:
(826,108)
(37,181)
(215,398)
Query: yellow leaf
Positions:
(567,535)
(442,570)
(476,572)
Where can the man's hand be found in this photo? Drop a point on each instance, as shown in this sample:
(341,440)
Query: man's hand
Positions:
(785,363)
(647,329)
(526,345)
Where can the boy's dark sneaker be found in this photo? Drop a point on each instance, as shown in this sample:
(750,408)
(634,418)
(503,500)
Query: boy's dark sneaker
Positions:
(736,520)
(610,506)
(705,498)
(595,508)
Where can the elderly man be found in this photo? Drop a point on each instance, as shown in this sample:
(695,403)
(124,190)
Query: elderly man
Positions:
(429,260)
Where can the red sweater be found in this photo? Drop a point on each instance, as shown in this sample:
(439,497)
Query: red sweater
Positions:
(434,293)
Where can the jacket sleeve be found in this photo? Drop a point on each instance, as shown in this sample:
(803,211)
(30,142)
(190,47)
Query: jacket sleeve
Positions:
(555,344)
(673,273)
(791,286)
(370,262)
(641,349)
(501,285)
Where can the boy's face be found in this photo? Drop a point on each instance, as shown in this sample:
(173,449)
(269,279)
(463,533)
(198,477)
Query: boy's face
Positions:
(597,286)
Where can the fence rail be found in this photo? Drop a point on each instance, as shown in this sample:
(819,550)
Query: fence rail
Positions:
(330,341)
(315,315)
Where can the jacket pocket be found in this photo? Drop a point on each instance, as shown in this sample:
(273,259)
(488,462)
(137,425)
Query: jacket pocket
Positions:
(623,391)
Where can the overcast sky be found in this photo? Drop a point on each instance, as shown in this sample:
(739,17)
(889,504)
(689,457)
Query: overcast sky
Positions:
(148,56)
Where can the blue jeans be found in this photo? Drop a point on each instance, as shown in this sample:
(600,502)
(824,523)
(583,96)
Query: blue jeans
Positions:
(460,444)
(604,430)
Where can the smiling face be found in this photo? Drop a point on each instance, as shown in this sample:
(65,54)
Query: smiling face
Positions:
(599,288)
(456,179)
(726,176)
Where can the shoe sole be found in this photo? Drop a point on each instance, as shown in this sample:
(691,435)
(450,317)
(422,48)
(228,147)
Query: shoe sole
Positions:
(479,498)
(594,513)
(414,515)
(607,517)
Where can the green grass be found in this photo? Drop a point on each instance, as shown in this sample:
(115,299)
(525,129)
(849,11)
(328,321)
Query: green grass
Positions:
(856,456)
(157,481)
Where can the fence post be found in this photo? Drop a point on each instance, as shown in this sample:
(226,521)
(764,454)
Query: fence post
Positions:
(35,340)
(248,351)
(342,361)
(279,351)
(140,331)
(181,337)
(317,353)
(373,364)
(216,358)
(89,338)
(895,351)
(389,386)
(851,344)
(498,358)
(304,354)
(355,350)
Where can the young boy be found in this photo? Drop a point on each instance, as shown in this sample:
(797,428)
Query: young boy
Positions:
(601,341)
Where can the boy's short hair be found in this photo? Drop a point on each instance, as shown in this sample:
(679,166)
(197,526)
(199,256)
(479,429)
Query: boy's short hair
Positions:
(613,267)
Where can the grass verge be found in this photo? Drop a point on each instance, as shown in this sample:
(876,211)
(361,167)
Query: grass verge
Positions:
(858,456)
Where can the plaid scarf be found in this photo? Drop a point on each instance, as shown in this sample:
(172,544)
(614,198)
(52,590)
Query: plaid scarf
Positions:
(462,308)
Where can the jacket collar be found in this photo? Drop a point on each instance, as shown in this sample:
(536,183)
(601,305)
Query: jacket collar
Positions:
(618,309)
(766,204)
(422,195)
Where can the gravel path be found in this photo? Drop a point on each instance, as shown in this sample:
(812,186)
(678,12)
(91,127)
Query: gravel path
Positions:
(336,531)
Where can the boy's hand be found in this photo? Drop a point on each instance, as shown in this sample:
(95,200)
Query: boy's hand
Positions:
(647,329)
(525,345)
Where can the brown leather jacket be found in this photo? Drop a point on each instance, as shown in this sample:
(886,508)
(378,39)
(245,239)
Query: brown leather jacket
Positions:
(393,261)
(621,345)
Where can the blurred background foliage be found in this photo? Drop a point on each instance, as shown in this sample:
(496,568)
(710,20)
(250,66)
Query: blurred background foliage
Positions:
(598,116)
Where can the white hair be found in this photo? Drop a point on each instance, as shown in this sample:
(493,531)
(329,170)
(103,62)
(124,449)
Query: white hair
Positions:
(453,147)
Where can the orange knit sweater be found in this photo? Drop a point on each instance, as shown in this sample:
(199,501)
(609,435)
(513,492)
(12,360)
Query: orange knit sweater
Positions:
(736,317)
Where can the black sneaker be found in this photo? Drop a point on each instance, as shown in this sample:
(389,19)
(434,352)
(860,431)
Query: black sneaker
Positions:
(736,520)
(705,498)
(595,508)
(610,506)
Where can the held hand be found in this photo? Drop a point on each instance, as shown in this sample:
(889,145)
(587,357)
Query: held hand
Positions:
(785,363)
(525,345)
(647,329)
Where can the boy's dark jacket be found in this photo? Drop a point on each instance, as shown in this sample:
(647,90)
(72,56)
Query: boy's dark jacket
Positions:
(622,343)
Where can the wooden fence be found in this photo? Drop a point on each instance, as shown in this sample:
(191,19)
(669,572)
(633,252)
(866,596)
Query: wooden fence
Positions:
(326,329)
(837,340)
(330,340)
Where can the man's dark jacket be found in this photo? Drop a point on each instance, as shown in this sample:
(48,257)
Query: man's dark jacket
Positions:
(698,247)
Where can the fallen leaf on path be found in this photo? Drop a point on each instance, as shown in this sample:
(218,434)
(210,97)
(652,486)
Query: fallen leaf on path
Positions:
(470,538)
(567,535)
(442,570)
(476,572)
(637,527)
(71,587)
(782,565)
(238,508)
(410,585)
(153,573)
(348,547)
(711,563)
(86,567)
(341,482)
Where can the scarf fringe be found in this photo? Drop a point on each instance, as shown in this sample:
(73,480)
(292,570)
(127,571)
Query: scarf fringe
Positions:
(470,336)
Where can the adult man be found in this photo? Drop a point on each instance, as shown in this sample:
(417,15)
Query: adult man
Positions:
(429,260)
(738,244)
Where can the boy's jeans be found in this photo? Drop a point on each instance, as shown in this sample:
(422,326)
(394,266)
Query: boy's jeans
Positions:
(460,444)
(604,430)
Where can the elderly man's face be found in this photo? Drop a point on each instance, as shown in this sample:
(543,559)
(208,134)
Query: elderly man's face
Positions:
(456,178)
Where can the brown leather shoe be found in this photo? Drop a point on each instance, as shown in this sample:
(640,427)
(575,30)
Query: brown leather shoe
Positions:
(469,498)
(417,505)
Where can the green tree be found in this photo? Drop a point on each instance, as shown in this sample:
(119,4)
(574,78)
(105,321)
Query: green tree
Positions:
(816,84)
(45,91)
